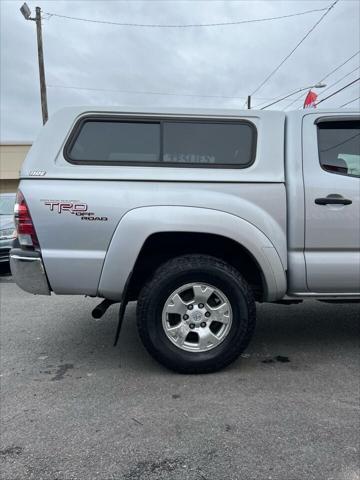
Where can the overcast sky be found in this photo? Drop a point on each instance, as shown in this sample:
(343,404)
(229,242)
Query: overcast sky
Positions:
(219,61)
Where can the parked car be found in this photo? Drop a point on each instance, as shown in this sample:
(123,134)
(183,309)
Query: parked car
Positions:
(196,214)
(7,226)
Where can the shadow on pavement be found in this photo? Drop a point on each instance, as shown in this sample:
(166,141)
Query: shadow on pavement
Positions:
(306,331)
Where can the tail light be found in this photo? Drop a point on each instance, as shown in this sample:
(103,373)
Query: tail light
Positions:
(25,229)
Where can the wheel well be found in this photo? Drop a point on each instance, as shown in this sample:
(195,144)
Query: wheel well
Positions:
(160,247)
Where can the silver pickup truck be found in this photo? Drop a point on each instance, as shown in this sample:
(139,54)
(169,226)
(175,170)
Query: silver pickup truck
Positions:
(196,214)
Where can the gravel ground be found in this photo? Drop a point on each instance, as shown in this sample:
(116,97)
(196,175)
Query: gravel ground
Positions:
(75,407)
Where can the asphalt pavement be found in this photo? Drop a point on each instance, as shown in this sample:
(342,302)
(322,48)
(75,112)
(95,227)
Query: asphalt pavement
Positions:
(73,407)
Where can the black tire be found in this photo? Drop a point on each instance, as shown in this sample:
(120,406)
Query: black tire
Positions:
(172,275)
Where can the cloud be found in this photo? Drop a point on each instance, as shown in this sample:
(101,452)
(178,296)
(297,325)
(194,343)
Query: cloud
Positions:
(228,61)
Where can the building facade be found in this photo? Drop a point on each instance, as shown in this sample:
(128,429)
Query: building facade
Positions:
(12,155)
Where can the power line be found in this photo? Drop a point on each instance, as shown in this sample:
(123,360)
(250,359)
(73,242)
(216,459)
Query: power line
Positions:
(280,99)
(337,68)
(338,91)
(348,103)
(337,81)
(134,92)
(295,48)
(293,101)
(326,76)
(190,25)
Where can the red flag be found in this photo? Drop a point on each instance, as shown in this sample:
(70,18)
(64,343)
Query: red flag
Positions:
(310,100)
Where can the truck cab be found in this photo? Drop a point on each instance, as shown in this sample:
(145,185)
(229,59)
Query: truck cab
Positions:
(322,178)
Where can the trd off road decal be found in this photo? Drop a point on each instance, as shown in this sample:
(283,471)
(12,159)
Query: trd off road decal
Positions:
(73,207)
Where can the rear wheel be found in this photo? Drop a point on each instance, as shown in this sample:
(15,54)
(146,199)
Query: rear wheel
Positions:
(196,315)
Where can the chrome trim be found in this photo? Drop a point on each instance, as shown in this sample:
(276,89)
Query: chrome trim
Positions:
(26,259)
(29,272)
(322,295)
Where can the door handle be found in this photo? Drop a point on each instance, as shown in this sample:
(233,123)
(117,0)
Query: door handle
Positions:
(333,201)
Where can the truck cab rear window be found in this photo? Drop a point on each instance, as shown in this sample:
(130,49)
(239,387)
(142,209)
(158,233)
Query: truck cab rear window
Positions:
(163,143)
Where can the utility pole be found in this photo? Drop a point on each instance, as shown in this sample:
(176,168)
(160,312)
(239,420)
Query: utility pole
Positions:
(25,10)
(249,102)
(41,66)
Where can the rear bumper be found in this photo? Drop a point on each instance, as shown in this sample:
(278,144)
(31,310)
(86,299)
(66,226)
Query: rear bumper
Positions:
(28,271)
